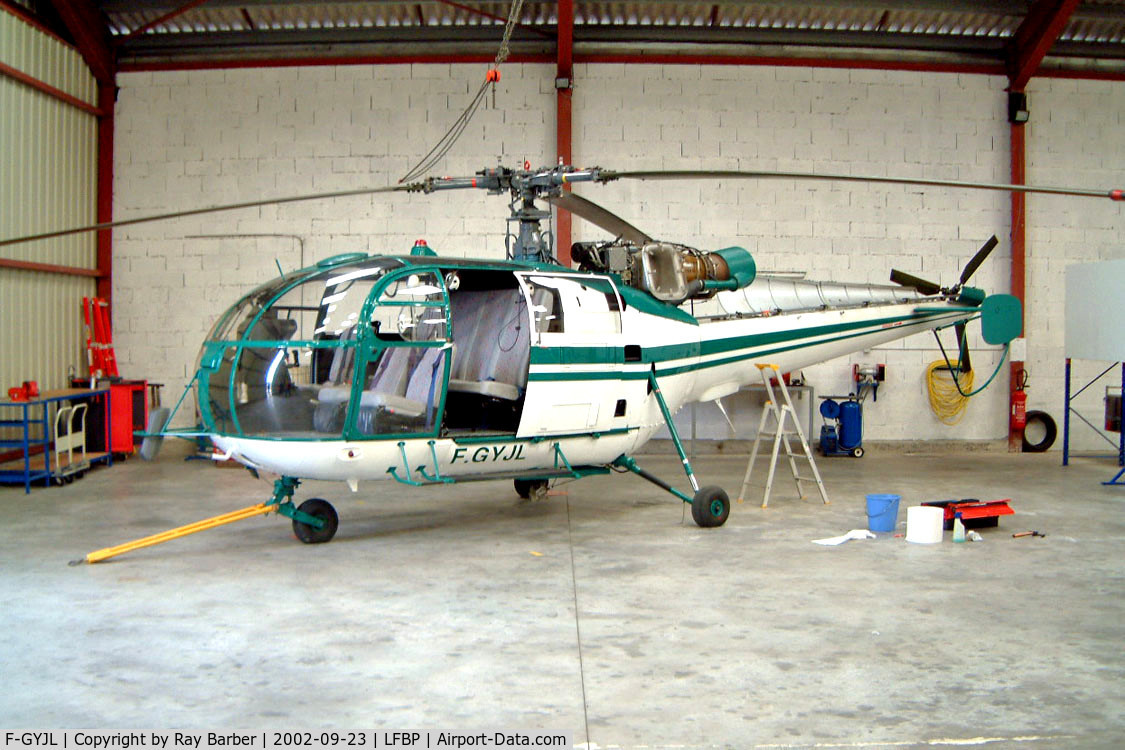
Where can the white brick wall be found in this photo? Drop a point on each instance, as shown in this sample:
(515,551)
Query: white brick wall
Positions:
(825,120)
(191,139)
(206,137)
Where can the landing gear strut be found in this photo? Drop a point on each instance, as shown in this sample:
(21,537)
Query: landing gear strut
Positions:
(710,506)
(314,522)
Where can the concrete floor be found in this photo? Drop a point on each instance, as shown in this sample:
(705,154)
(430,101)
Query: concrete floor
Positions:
(456,609)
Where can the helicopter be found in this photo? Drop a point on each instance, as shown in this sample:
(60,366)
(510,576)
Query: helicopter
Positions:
(421,369)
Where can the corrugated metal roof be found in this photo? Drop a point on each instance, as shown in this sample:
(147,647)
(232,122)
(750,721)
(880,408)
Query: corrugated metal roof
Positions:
(1096,28)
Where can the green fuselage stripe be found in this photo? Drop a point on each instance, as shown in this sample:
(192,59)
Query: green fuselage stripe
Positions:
(798,337)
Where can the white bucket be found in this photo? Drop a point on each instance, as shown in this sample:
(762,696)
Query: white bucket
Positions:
(924,524)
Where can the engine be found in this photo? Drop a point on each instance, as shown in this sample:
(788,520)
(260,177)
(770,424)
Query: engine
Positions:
(669,272)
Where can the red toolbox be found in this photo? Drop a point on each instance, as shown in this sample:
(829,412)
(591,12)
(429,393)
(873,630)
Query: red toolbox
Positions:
(974,513)
(127,411)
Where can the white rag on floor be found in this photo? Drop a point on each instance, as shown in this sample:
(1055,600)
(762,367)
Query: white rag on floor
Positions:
(853,534)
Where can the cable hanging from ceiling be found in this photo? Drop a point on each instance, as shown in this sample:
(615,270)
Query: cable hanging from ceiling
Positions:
(446,142)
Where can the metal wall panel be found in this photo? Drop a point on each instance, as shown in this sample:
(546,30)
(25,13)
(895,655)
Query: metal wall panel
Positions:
(48,180)
(41,335)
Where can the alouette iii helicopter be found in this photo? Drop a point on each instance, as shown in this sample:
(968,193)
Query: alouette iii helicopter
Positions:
(420,369)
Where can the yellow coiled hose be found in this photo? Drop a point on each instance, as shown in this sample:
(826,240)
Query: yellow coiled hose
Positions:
(945,399)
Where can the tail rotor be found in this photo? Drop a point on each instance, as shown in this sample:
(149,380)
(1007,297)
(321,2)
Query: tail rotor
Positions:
(929,288)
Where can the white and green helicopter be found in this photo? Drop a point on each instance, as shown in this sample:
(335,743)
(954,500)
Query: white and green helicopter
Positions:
(420,369)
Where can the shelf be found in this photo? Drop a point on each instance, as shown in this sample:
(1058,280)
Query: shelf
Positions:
(35,413)
(20,475)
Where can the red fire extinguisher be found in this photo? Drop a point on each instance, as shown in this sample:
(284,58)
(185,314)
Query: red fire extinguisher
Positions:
(1019,403)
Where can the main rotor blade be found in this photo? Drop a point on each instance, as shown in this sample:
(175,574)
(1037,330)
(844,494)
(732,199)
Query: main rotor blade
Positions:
(972,266)
(600,217)
(923,287)
(208,210)
(606,176)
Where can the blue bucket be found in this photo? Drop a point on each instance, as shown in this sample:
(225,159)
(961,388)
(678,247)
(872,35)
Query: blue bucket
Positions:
(882,512)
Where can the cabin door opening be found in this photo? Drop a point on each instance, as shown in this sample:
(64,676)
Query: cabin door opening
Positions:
(491,335)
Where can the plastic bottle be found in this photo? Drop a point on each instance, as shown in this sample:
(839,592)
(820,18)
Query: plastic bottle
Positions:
(958,528)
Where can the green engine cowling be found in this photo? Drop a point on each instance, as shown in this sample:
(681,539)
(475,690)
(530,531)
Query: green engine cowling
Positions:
(741,267)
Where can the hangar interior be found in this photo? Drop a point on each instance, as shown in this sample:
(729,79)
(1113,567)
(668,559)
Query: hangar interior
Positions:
(595,610)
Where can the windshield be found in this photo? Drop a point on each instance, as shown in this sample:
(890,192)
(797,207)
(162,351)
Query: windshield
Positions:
(270,354)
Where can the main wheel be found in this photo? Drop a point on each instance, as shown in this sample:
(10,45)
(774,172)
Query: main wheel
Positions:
(323,510)
(535,489)
(857,452)
(710,507)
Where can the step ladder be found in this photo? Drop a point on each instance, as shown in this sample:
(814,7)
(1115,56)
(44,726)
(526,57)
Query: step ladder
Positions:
(100,356)
(785,424)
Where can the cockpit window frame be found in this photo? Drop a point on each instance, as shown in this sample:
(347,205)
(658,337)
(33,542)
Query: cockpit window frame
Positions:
(370,347)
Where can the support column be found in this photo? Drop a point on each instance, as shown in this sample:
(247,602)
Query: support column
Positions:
(564,73)
(1019,253)
(107,94)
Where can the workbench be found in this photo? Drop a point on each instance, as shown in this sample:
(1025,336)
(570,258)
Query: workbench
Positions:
(31,421)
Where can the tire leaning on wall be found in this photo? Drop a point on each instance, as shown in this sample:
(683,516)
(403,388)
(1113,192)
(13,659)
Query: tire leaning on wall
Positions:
(1040,423)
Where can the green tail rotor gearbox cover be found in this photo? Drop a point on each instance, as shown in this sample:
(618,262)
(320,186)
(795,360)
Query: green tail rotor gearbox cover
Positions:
(971,296)
(1001,318)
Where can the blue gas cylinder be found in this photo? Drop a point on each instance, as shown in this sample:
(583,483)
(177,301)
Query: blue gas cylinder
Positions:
(851,425)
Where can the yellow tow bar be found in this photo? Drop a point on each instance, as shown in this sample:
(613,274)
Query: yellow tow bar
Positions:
(167,536)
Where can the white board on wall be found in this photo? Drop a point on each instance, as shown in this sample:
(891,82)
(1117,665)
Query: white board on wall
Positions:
(1095,324)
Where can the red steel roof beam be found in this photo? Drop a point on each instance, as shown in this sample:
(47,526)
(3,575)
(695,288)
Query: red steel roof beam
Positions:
(87,25)
(1044,23)
(494,17)
(165,18)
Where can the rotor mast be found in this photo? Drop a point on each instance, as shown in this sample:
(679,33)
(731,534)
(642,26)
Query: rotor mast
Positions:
(530,242)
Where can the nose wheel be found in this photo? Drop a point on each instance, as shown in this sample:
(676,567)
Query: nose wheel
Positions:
(315,510)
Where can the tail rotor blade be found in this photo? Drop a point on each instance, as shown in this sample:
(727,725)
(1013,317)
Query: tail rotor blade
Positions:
(972,266)
(923,287)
